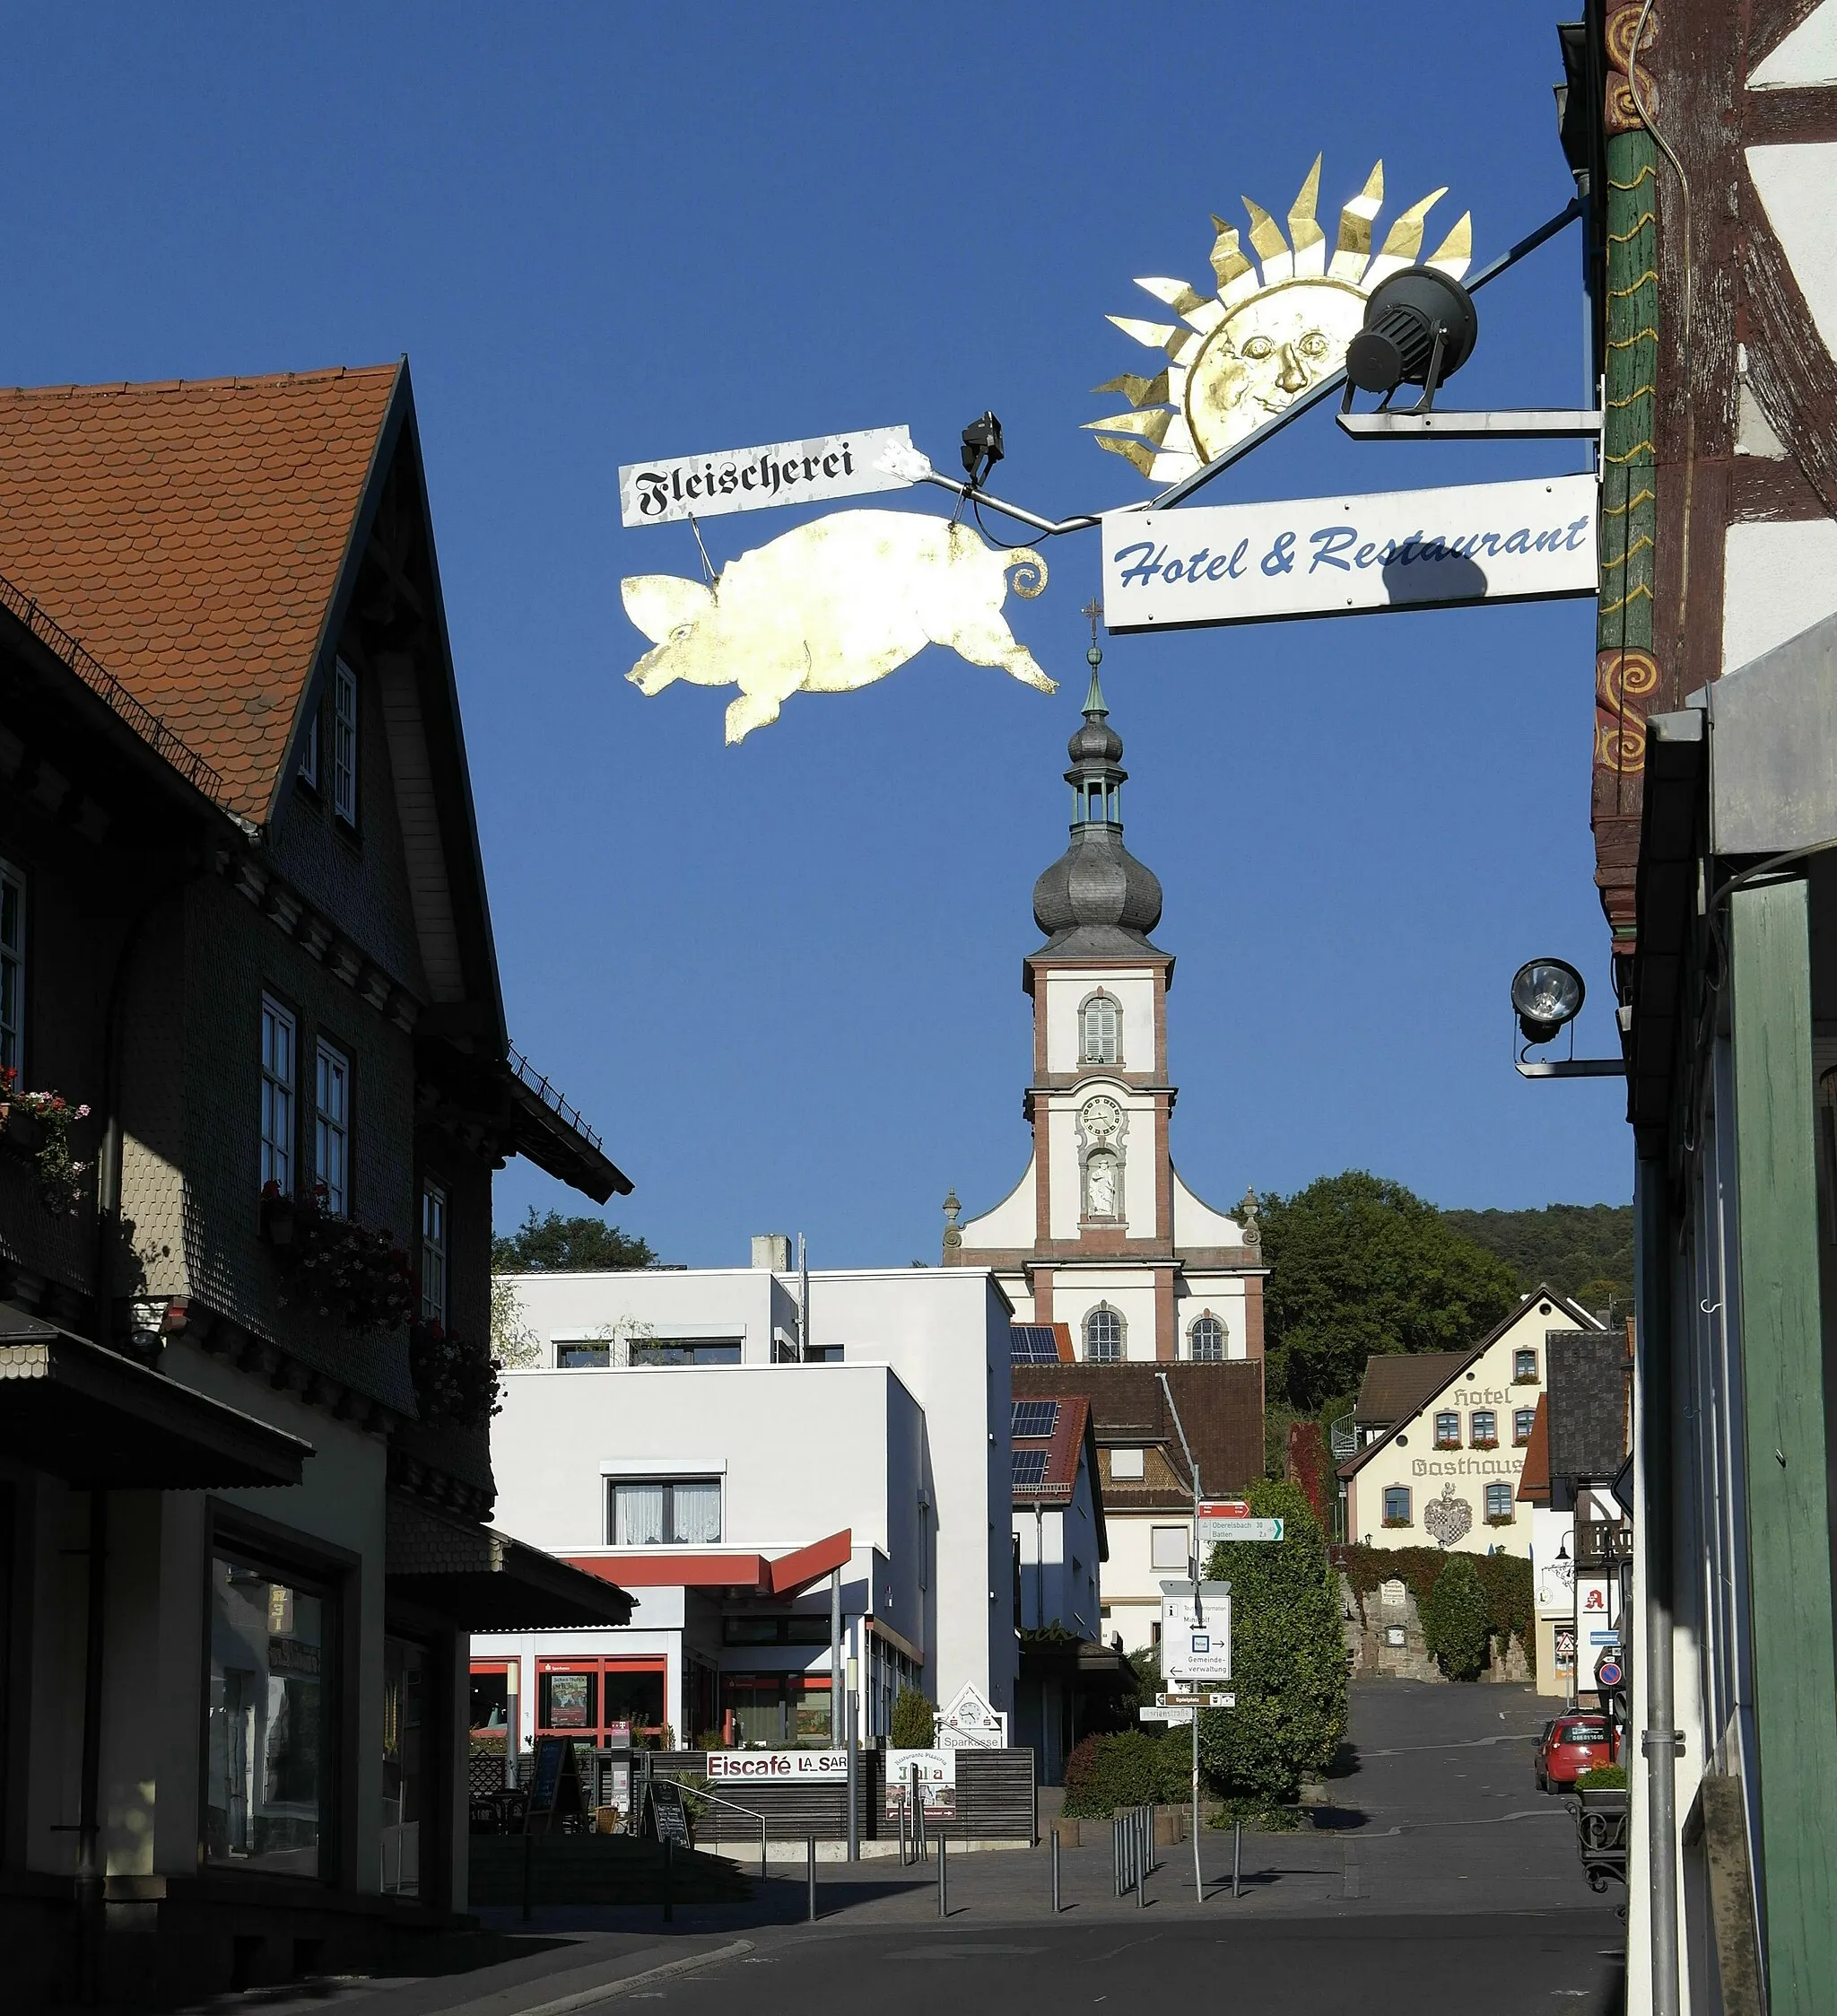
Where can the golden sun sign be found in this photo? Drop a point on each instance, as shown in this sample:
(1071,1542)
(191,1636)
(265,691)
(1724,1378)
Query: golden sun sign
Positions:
(1263,336)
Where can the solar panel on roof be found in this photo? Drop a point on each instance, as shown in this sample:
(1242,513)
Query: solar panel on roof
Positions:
(1029,1468)
(1032,1344)
(1034,1417)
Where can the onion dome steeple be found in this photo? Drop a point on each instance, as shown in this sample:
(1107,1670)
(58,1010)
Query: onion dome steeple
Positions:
(1097,901)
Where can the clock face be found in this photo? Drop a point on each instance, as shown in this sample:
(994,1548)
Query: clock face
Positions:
(1102,1118)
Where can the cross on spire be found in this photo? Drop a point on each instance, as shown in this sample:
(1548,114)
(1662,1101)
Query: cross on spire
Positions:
(1093,657)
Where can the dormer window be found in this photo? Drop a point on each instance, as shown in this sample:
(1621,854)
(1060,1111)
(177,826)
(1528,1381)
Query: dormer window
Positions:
(1100,1040)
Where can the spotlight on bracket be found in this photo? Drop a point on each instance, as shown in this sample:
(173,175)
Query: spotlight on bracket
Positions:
(1547,997)
(1546,994)
(1420,329)
(981,448)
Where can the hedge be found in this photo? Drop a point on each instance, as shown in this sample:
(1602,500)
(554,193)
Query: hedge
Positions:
(1106,1773)
(1506,1579)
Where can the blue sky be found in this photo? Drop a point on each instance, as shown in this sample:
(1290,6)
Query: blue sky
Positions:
(784,980)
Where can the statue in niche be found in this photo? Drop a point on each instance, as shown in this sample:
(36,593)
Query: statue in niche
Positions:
(1101,1186)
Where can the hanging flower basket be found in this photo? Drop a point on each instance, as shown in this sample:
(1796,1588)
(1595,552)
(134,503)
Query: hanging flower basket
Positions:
(454,1379)
(36,1125)
(336,1267)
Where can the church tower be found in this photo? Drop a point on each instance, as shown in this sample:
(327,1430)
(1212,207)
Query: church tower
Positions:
(1100,1235)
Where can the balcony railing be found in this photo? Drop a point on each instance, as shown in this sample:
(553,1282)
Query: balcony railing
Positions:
(1599,1543)
(526,1074)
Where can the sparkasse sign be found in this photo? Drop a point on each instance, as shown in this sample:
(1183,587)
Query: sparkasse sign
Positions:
(753,479)
(786,1765)
(1324,556)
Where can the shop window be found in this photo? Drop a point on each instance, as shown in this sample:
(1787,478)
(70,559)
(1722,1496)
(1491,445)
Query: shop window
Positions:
(267,1749)
(491,1697)
(1522,1422)
(596,1699)
(12,969)
(672,1512)
(1498,1505)
(1396,1505)
(1168,1547)
(1447,1431)
(1524,1368)
(405,1764)
(1483,1427)
(775,1711)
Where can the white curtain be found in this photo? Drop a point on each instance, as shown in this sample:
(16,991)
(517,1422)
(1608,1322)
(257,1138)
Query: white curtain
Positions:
(640,1515)
(697,1512)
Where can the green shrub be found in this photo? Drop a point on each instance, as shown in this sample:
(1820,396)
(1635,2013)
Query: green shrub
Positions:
(915,1721)
(1456,1628)
(1506,1579)
(1288,1658)
(1105,1774)
(1602,1778)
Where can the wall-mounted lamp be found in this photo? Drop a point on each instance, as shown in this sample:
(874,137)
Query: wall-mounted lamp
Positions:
(1421,327)
(1547,997)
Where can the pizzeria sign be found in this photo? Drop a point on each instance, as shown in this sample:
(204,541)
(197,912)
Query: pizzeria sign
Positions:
(1527,541)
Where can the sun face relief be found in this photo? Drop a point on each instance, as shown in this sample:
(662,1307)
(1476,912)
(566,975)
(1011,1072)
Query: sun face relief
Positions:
(1240,356)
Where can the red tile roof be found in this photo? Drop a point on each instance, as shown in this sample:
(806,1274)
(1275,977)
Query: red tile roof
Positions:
(190,535)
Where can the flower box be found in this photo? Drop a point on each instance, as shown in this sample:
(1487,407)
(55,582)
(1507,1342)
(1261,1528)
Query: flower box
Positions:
(23,1132)
(278,1219)
(1444,1446)
(1394,1522)
(1489,1441)
(1500,1519)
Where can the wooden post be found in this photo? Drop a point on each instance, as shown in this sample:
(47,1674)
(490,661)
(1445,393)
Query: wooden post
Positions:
(1783,1380)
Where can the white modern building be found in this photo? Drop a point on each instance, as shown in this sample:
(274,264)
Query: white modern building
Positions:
(687,1435)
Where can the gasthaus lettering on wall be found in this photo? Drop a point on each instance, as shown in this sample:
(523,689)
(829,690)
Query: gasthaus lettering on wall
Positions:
(1324,556)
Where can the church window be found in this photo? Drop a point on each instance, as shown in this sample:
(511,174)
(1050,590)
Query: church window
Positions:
(1102,1038)
(1104,1335)
(1207,1335)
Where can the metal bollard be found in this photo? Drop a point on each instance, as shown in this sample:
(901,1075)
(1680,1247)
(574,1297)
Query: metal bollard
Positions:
(669,1873)
(1237,1854)
(811,1911)
(1141,1862)
(525,1874)
(1055,1872)
(943,1909)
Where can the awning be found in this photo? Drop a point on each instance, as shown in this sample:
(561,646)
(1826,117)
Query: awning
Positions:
(99,1420)
(483,1580)
(782,1575)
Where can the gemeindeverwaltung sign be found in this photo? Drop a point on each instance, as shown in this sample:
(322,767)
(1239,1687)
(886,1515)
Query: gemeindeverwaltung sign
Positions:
(1528,541)
(753,479)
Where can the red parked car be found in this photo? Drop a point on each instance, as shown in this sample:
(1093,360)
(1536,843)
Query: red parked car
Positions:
(1574,1744)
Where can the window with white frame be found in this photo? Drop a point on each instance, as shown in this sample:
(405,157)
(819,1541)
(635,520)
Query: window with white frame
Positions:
(11,968)
(331,1133)
(345,742)
(1207,1339)
(433,1254)
(1126,1466)
(664,1512)
(1167,1546)
(1104,1335)
(277,1096)
(1101,1039)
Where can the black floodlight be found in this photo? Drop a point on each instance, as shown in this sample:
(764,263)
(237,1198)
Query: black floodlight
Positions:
(1546,994)
(1420,329)
(981,448)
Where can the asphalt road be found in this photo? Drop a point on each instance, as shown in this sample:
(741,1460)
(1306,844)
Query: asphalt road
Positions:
(1438,1879)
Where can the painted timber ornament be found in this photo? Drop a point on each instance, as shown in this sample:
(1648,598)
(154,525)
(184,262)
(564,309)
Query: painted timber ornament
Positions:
(1239,356)
(832,606)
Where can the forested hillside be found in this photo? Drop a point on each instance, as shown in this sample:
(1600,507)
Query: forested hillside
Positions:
(1583,1250)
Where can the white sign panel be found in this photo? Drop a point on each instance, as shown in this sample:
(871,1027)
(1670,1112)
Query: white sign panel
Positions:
(778,1766)
(1175,1718)
(1195,1638)
(968,1723)
(937,1781)
(1212,1531)
(1333,556)
(754,479)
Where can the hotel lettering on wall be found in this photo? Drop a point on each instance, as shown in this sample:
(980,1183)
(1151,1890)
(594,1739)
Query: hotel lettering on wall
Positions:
(1321,556)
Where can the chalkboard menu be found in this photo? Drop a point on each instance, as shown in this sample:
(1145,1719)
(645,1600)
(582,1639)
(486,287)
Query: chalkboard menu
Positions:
(668,1813)
(554,1784)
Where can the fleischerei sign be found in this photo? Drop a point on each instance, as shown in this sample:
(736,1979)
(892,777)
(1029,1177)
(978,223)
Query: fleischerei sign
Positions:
(753,479)
(1319,556)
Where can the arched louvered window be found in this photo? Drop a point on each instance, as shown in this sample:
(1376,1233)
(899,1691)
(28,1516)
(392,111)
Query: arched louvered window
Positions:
(1100,1040)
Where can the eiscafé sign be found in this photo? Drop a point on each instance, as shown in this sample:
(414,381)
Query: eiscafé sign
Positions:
(753,479)
(785,1767)
(1324,556)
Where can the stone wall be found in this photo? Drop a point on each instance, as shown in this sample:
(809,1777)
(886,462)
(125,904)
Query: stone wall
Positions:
(1370,1631)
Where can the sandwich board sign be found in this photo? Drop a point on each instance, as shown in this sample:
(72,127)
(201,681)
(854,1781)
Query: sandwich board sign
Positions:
(1528,541)
(1195,1633)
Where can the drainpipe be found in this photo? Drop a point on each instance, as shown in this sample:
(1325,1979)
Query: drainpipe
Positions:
(1659,1741)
